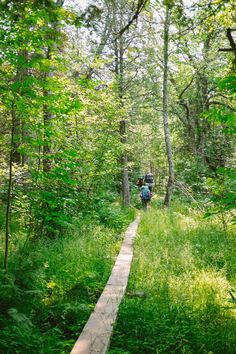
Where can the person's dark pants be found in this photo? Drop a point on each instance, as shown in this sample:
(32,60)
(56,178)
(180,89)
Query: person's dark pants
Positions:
(145,203)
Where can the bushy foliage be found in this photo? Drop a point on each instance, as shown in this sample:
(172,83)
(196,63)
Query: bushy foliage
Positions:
(52,286)
(222,184)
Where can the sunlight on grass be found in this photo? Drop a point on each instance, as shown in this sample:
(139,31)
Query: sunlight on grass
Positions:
(199,290)
(185,267)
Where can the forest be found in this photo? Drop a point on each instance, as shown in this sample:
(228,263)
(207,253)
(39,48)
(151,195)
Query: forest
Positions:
(94,94)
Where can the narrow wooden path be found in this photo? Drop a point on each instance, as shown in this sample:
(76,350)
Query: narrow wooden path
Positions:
(95,337)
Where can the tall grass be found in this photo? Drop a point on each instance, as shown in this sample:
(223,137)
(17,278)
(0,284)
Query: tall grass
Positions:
(53,285)
(178,298)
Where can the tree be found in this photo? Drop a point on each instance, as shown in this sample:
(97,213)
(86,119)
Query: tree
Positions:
(24,35)
(165,108)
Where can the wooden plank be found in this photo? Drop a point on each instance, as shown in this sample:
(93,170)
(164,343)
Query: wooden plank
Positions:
(95,337)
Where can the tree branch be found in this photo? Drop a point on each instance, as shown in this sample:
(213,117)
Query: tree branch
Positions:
(185,89)
(140,6)
(221,104)
(231,42)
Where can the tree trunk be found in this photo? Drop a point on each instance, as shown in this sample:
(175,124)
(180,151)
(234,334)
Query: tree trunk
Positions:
(47,121)
(47,115)
(19,124)
(9,191)
(24,135)
(125,172)
(119,69)
(171,177)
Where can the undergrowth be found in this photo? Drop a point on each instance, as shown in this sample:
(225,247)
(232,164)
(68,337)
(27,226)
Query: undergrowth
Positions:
(178,298)
(53,285)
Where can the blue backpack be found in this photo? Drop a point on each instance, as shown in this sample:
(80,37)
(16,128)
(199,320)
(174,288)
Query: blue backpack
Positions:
(145,193)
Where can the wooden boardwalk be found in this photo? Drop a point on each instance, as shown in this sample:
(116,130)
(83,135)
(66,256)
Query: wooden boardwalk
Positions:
(95,337)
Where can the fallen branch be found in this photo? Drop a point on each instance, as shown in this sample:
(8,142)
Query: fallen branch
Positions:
(186,192)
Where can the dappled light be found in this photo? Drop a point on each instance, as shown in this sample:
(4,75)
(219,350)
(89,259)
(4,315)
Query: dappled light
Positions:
(117,176)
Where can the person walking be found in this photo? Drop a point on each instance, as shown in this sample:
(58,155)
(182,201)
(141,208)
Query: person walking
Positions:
(149,180)
(145,196)
(140,181)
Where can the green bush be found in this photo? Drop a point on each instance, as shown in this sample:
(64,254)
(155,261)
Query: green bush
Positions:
(53,284)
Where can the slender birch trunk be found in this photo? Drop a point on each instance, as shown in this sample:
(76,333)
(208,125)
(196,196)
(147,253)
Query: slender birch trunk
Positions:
(171,177)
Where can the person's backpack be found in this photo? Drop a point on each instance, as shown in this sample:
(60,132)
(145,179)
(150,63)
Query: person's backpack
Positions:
(149,178)
(145,193)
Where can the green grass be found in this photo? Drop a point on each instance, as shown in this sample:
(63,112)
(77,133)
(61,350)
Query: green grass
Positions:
(53,285)
(185,267)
